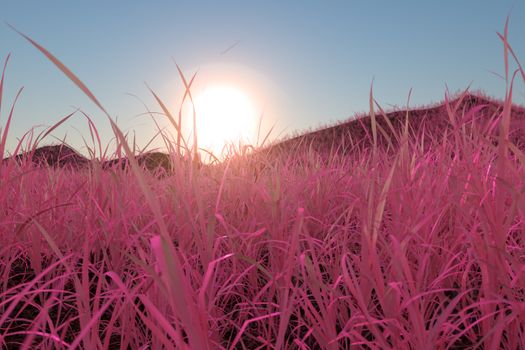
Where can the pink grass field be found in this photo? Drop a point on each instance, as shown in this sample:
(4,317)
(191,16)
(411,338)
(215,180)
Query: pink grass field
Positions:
(412,244)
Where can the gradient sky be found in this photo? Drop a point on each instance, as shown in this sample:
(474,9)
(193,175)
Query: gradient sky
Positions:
(310,63)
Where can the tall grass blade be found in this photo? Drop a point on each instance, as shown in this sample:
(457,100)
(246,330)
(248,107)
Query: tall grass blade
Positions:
(2,81)
(7,125)
(63,68)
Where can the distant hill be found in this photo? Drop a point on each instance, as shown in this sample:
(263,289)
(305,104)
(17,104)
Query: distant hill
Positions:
(55,156)
(64,156)
(343,137)
(346,135)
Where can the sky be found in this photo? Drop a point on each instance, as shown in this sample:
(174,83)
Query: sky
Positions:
(301,64)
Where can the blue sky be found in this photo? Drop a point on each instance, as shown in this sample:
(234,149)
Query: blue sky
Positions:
(310,63)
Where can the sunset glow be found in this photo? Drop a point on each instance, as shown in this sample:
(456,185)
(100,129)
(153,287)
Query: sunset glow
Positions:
(225,114)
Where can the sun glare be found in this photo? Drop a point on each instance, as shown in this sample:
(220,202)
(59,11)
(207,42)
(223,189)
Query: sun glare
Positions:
(225,114)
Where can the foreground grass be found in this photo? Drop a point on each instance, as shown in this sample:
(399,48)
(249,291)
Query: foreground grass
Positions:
(408,247)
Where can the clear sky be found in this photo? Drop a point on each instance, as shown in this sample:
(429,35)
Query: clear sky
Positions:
(303,64)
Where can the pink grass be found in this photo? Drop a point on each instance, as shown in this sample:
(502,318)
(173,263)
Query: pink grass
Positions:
(413,240)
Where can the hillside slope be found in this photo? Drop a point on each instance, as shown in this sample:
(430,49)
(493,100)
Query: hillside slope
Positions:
(435,121)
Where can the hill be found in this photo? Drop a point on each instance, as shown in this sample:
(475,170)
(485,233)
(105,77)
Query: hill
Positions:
(63,156)
(342,138)
(357,132)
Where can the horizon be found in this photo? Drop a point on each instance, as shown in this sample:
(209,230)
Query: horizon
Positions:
(389,112)
(305,67)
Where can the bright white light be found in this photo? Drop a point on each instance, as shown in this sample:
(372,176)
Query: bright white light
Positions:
(224,114)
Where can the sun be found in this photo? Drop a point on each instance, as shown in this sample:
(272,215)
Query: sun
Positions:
(225,114)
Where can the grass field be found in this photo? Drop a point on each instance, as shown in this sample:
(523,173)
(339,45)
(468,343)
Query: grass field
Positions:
(412,238)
